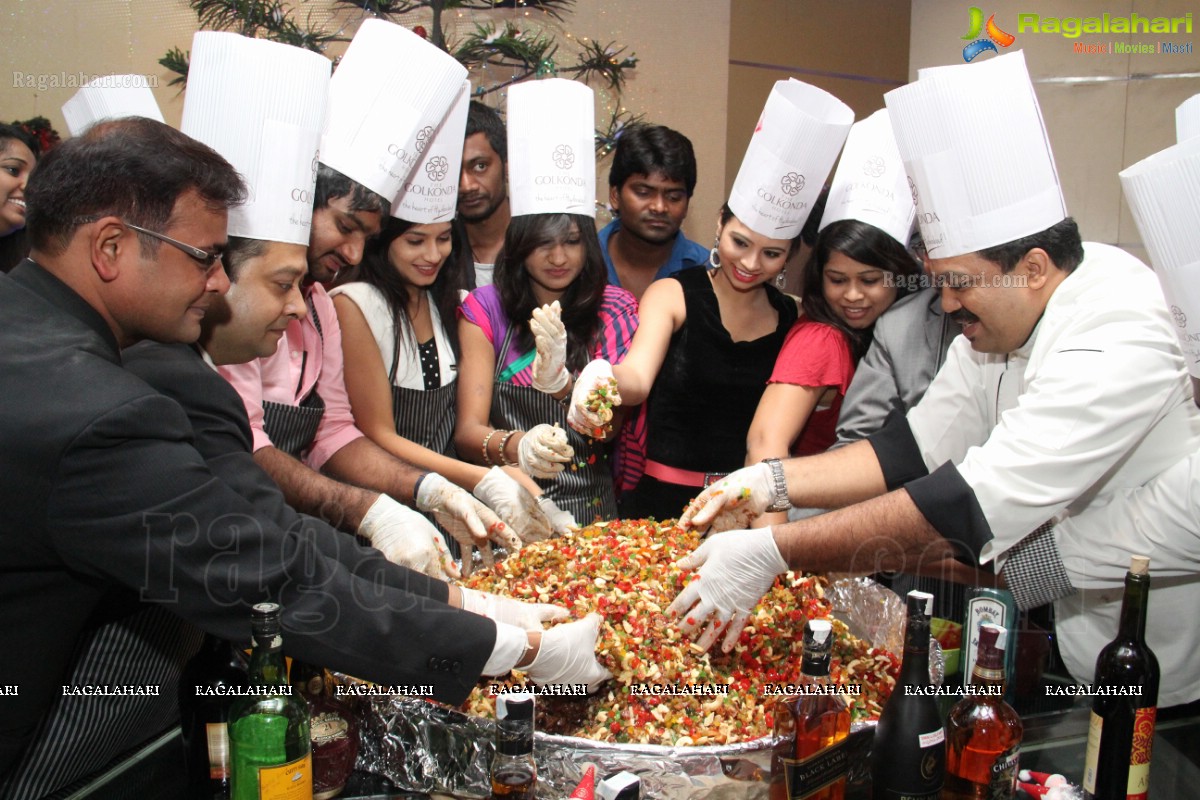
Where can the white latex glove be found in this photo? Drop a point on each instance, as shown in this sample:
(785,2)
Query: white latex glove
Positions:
(469,521)
(529,616)
(561,521)
(568,655)
(550,341)
(735,570)
(732,502)
(513,503)
(407,538)
(596,376)
(543,451)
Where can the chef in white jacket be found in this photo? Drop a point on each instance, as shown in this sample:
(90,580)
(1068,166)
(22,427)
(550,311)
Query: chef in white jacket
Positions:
(1067,387)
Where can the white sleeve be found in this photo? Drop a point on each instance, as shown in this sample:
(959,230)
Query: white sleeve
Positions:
(951,417)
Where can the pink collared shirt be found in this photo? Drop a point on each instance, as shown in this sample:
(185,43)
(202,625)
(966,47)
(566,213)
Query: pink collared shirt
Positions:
(288,376)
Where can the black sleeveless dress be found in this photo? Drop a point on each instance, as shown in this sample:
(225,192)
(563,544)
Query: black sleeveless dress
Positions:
(704,398)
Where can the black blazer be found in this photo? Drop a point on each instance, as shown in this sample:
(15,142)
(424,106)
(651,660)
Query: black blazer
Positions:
(104,486)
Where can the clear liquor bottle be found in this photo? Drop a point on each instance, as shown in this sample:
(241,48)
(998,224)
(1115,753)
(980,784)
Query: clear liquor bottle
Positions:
(983,732)
(514,773)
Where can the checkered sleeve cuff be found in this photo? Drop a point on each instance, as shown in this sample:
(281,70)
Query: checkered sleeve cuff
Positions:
(1034,571)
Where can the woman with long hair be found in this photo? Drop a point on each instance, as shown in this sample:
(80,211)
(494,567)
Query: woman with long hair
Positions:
(549,272)
(855,273)
(700,359)
(18,155)
(401,351)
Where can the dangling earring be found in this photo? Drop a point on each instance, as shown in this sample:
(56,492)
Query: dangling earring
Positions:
(714,258)
(781,278)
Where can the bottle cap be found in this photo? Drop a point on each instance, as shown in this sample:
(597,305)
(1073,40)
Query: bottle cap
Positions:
(818,634)
(264,622)
(1139,565)
(516,707)
(994,636)
(920,603)
(622,786)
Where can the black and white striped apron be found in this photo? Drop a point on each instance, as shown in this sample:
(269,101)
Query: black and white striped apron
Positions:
(585,487)
(79,735)
(424,416)
(293,428)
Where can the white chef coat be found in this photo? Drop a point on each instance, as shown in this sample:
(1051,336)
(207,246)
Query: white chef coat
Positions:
(1096,402)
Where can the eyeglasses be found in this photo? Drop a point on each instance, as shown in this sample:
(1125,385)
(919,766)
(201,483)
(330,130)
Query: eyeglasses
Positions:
(203,256)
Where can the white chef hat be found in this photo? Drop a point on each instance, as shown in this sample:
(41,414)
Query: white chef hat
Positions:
(1187,118)
(794,145)
(388,95)
(110,97)
(552,148)
(1163,192)
(431,192)
(870,184)
(976,152)
(261,105)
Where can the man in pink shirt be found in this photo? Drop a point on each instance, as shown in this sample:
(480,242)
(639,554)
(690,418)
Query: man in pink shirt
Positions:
(300,418)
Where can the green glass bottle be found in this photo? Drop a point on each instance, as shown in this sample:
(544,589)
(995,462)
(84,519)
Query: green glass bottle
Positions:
(269,747)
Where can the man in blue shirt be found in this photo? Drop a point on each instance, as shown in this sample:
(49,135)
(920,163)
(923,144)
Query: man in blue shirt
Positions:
(650,184)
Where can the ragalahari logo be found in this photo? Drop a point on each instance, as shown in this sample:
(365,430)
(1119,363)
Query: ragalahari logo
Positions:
(994,37)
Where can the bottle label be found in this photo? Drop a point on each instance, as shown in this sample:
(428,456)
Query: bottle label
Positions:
(217,734)
(326,727)
(980,610)
(806,776)
(1092,758)
(932,738)
(290,781)
(1002,782)
(1139,755)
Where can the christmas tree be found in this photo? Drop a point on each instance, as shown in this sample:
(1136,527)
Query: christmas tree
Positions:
(497,53)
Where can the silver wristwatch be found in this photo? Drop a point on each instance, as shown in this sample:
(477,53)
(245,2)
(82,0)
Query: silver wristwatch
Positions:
(779,501)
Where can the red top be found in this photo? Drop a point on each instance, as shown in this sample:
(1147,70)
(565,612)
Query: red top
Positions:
(815,354)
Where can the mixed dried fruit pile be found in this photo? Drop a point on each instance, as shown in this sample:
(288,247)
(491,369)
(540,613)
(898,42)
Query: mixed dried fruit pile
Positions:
(623,570)
(600,402)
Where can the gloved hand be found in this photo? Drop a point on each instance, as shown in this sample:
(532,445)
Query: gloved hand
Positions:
(735,570)
(469,521)
(529,616)
(560,520)
(592,416)
(732,502)
(513,503)
(407,538)
(550,341)
(543,451)
(568,655)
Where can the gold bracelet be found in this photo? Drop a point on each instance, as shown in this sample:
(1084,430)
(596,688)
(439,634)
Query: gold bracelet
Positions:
(487,459)
(504,462)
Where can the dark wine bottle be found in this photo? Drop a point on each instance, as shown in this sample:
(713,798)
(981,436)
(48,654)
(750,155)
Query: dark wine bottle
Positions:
(908,757)
(1117,764)
(269,747)
(206,690)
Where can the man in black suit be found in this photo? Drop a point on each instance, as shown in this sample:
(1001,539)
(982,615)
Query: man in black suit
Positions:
(105,489)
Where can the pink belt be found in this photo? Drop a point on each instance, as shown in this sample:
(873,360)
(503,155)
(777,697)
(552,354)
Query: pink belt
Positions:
(682,477)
